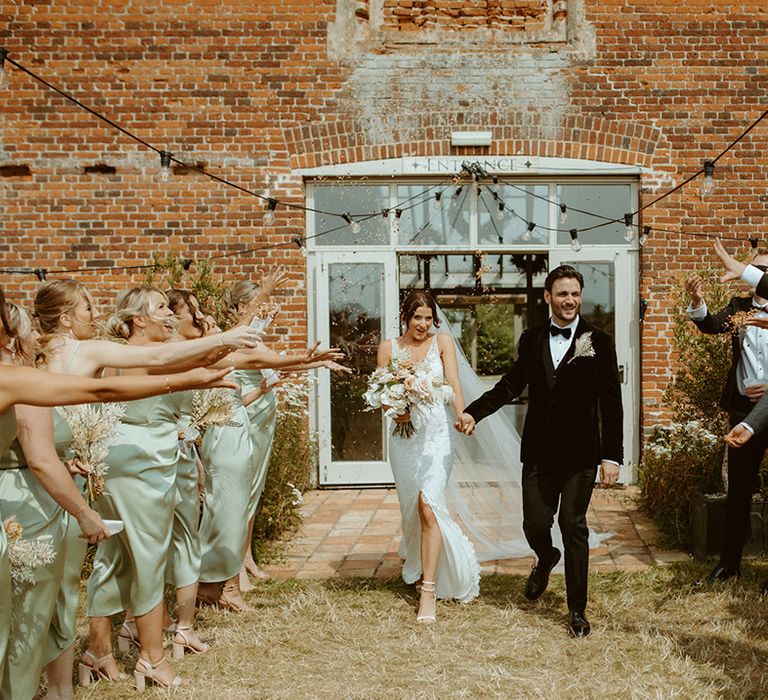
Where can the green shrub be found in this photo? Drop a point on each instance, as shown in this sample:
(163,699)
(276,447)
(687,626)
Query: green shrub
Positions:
(291,464)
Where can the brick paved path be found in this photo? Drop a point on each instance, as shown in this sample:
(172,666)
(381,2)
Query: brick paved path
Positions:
(356,532)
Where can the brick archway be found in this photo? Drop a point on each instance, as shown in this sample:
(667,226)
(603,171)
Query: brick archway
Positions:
(590,138)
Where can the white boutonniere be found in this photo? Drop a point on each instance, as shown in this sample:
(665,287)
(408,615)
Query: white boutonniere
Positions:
(583,347)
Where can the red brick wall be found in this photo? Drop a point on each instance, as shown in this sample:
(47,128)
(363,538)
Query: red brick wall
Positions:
(254,90)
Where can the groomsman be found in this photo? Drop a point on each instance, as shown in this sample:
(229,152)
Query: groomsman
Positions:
(746,384)
(573,424)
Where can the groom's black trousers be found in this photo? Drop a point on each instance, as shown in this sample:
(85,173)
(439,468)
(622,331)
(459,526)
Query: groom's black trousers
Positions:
(545,486)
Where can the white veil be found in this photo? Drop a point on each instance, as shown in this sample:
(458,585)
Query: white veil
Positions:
(485,487)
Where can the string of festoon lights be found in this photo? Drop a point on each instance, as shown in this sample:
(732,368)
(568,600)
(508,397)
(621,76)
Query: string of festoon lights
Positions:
(478,178)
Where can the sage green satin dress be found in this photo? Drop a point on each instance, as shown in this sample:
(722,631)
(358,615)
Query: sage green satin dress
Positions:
(7,436)
(62,632)
(227,456)
(184,558)
(22,495)
(262,417)
(129,568)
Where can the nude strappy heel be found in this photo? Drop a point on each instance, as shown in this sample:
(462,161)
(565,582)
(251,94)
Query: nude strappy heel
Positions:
(427,587)
(180,647)
(147,673)
(95,667)
(126,638)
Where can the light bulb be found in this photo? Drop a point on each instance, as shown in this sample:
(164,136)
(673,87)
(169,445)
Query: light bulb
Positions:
(528,231)
(165,165)
(438,200)
(396,222)
(708,183)
(575,244)
(500,211)
(563,213)
(455,196)
(630,229)
(269,214)
(644,237)
(354,227)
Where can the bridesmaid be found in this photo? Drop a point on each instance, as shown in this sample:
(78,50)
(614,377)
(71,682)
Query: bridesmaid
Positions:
(37,388)
(37,487)
(262,419)
(128,571)
(65,312)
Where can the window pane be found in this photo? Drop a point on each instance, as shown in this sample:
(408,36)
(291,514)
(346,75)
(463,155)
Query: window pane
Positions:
(423,223)
(599,299)
(609,201)
(496,226)
(356,293)
(358,201)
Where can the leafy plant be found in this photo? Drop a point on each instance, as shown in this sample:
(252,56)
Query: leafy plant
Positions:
(294,451)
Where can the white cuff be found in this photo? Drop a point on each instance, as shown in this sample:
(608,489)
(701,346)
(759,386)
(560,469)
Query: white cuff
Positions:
(610,461)
(697,313)
(748,427)
(751,275)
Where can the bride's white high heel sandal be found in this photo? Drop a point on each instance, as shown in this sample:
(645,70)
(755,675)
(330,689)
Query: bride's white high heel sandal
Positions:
(429,588)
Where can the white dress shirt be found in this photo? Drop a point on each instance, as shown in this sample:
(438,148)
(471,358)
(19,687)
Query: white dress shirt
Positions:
(559,344)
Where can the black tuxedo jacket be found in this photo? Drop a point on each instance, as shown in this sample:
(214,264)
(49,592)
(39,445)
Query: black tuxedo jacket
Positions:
(574,413)
(731,399)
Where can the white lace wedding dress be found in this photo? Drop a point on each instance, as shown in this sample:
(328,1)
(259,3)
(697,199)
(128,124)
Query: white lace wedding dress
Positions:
(422,465)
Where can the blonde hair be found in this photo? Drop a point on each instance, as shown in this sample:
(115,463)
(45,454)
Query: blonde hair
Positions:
(56,298)
(22,325)
(20,320)
(241,292)
(130,304)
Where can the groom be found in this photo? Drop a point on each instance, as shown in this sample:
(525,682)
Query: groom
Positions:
(573,423)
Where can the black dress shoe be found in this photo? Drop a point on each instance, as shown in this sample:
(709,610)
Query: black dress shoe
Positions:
(722,573)
(578,625)
(539,576)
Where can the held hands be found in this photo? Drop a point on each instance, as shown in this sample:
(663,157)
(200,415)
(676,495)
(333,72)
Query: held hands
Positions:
(609,473)
(693,285)
(733,268)
(738,436)
(465,424)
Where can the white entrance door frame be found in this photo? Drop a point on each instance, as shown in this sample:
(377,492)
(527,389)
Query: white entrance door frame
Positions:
(356,472)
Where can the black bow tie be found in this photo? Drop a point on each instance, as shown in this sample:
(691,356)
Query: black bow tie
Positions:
(556,330)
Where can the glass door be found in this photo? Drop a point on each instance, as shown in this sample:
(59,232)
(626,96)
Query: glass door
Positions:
(611,290)
(355,307)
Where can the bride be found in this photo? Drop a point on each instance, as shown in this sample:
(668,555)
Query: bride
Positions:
(434,547)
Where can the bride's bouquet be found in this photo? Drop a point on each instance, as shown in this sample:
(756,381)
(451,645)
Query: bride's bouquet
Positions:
(404,387)
(94,431)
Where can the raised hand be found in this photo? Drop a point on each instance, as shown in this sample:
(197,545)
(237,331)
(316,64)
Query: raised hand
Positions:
(738,436)
(733,268)
(336,367)
(273,279)
(315,355)
(757,321)
(206,378)
(465,424)
(693,285)
(241,337)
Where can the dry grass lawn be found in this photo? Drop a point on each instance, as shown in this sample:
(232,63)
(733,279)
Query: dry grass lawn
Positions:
(655,635)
